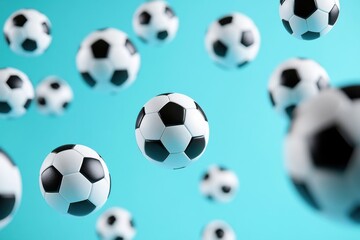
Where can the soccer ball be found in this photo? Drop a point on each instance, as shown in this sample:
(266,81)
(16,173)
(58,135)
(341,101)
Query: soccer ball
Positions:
(172,130)
(309,19)
(233,41)
(28,32)
(53,96)
(16,93)
(295,81)
(10,189)
(322,153)
(116,223)
(218,230)
(219,184)
(108,60)
(155,22)
(74,179)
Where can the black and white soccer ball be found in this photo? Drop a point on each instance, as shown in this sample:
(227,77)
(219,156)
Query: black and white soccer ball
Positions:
(74,179)
(108,61)
(16,93)
(219,184)
(233,40)
(155,22)
(172,130)
(218,230)
(309,19)
(28,32)
(294,81)
(116,223)
(322,153)
(53,96)
(10,189)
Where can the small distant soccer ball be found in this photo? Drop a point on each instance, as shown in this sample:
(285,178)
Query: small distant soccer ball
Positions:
(116,223)
(16,93)
(218,230)
(322,153)
(108,61)
(155,22)
(219,184)
(53,96)
(10,189)
(28,32)
(74,179)
(309,19)
(172,130)
(295,81)
(233,41)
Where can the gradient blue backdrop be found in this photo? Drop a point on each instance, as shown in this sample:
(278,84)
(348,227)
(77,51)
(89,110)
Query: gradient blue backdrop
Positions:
(246,135)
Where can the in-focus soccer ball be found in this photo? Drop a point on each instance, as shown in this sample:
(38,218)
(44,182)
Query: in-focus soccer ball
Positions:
(309,19)
(155,22)
(116,223)
(219,184)
(233,40)
(218,230)
(295,81)
(322,153)
(28,32)
(53,96)
(108,60)
(172,130)
(74,179)
(10,189)
(16,93)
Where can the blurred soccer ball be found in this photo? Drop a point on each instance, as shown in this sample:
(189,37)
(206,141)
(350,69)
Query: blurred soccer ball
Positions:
(218,230)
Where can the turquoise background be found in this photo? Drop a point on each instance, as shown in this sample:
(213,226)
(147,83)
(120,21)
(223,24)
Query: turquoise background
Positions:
(246,135)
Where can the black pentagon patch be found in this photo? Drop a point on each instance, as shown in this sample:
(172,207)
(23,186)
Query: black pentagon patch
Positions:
(144,18)
(132,223)
(287,26)
(322,83)
(92,169)
(310,35)
(165,94)
(14,81)
(119,238)
(195,147)
(220,233)
(162,35)
(330,149)
(7,39)
(303,190)
(247,38)
(305,8)
(225,20)
(355,214)
(222,169)
(130,47)
(46,28)
(8,157)
(290,78)
(81,208)
(240,65)
(206,176)
(19,20)
(156,150)
(88,79)
(169,12)
(226,189)
(210,198)
(100,49)
(119,77)
(27,103)
(333,15)
(29,45)
(352,92)
(172,114)
(63,148)
(4,107)
(289,110)
(7,203)
(220,49)
(65,105)
(201,111)
(139,118)
(55,85)
(282,1)
(111,220)
(272,100)
(51,180)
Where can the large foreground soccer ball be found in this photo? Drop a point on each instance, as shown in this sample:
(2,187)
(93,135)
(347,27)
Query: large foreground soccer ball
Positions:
(233,40)
(219,184)
(155,22)
(218,230)
(172,130)
(53,96)
(295,81)
(74,179)
(322,153)
(108,60)
(28,32)
(309,19)
(10,189)
(16,93)
(116,223)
